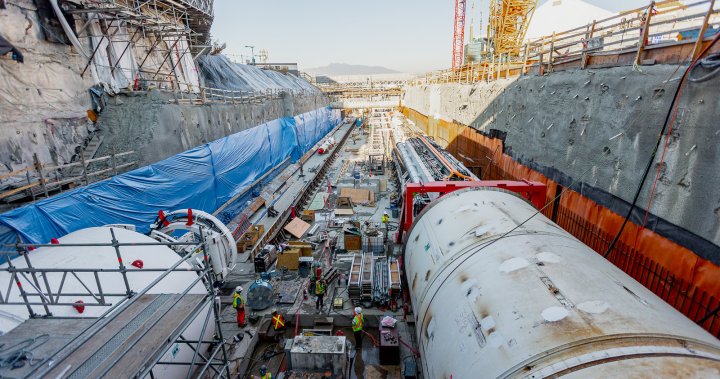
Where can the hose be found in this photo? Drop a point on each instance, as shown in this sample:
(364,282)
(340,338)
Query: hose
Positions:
(712,62)
(68,30)
(22,350)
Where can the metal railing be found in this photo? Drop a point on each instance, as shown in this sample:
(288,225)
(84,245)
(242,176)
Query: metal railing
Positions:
(209,95)
(36,290)
(657,25)
(42,179)
(694,302)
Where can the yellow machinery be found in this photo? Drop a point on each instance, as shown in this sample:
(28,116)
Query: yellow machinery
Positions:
(508,23)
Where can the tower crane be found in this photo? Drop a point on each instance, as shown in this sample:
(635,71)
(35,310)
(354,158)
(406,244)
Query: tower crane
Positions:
(508,23)
(458,34)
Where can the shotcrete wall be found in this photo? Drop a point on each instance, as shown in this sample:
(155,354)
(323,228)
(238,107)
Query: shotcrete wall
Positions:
(155,128)
(596,129)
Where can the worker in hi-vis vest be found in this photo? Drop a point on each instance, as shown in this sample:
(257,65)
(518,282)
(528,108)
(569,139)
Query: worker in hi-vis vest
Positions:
(357,327)
(320,293)
(239,305)
(264,373)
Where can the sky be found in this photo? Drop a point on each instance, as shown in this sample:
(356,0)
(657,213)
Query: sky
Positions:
(412,36)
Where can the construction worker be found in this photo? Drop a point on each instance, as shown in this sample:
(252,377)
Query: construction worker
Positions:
(264,374)
(357,327)
(278,321)
(239,305)
(320,293)
(385,218)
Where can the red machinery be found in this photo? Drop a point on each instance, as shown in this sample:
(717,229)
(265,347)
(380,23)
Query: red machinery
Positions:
(532,191)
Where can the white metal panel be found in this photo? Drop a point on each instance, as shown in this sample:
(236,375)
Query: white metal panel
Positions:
(156,256)
(532,303)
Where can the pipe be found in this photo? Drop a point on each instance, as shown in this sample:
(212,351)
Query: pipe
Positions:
(68,30)
(536,302)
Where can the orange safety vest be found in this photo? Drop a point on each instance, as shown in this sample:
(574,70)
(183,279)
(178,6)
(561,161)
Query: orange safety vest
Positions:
(278,322)
(357,324)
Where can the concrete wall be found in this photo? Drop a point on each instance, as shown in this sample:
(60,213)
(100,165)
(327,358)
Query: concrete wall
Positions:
(598,128)
(156,128)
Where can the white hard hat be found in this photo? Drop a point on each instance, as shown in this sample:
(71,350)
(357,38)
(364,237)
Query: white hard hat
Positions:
(384,212)
(238,289)
(358,310)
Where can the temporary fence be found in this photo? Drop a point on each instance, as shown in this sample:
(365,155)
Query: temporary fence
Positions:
(203,178)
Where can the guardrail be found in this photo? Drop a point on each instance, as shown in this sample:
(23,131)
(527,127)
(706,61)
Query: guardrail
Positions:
(657,25)
(223,96)
(39,183)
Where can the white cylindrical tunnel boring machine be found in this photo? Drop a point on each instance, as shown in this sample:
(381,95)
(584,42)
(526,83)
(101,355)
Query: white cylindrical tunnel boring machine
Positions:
(535,302)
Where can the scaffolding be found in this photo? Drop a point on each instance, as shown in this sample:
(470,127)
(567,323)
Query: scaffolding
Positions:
(153,42)
(110,353)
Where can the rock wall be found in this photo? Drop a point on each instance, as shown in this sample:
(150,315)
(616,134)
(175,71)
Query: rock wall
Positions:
(597,129)
(43,101)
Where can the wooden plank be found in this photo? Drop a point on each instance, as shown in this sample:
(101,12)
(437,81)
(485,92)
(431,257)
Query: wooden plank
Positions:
(60,331)
(297,227)
(344,212)
(79,354)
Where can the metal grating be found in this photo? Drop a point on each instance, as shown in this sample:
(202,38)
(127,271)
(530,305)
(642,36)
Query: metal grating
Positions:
(92,363)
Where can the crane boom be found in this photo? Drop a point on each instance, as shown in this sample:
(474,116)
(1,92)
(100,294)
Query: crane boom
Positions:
(508,23)
(459,34)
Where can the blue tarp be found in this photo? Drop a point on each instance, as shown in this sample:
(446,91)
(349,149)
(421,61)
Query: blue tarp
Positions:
(203,178)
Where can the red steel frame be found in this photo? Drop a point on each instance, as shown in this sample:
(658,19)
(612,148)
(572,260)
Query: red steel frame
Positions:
(459,34)
(533,191)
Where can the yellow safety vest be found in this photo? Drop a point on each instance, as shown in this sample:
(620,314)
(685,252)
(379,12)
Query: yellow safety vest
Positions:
(278,322)
(357,324)
(266,376)
(319,288)
(238,301)
(385,219)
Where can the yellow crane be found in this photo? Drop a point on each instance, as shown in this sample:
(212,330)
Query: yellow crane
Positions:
(508,23)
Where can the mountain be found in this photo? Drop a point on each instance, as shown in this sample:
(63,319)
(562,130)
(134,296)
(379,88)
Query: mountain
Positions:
(335,69)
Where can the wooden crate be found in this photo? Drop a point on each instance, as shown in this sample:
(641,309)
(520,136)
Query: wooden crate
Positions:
(306,249)
(289,258)
(352,242)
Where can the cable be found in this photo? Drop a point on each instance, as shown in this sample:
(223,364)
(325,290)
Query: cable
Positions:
(669,120)
(712,62)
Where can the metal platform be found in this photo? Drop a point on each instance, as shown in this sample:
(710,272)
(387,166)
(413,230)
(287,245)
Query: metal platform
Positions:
(139,336)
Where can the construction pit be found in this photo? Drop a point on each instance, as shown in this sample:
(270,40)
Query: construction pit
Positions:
(338,233)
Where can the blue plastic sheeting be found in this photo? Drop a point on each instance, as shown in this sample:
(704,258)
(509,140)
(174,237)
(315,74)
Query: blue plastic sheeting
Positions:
(204,178)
